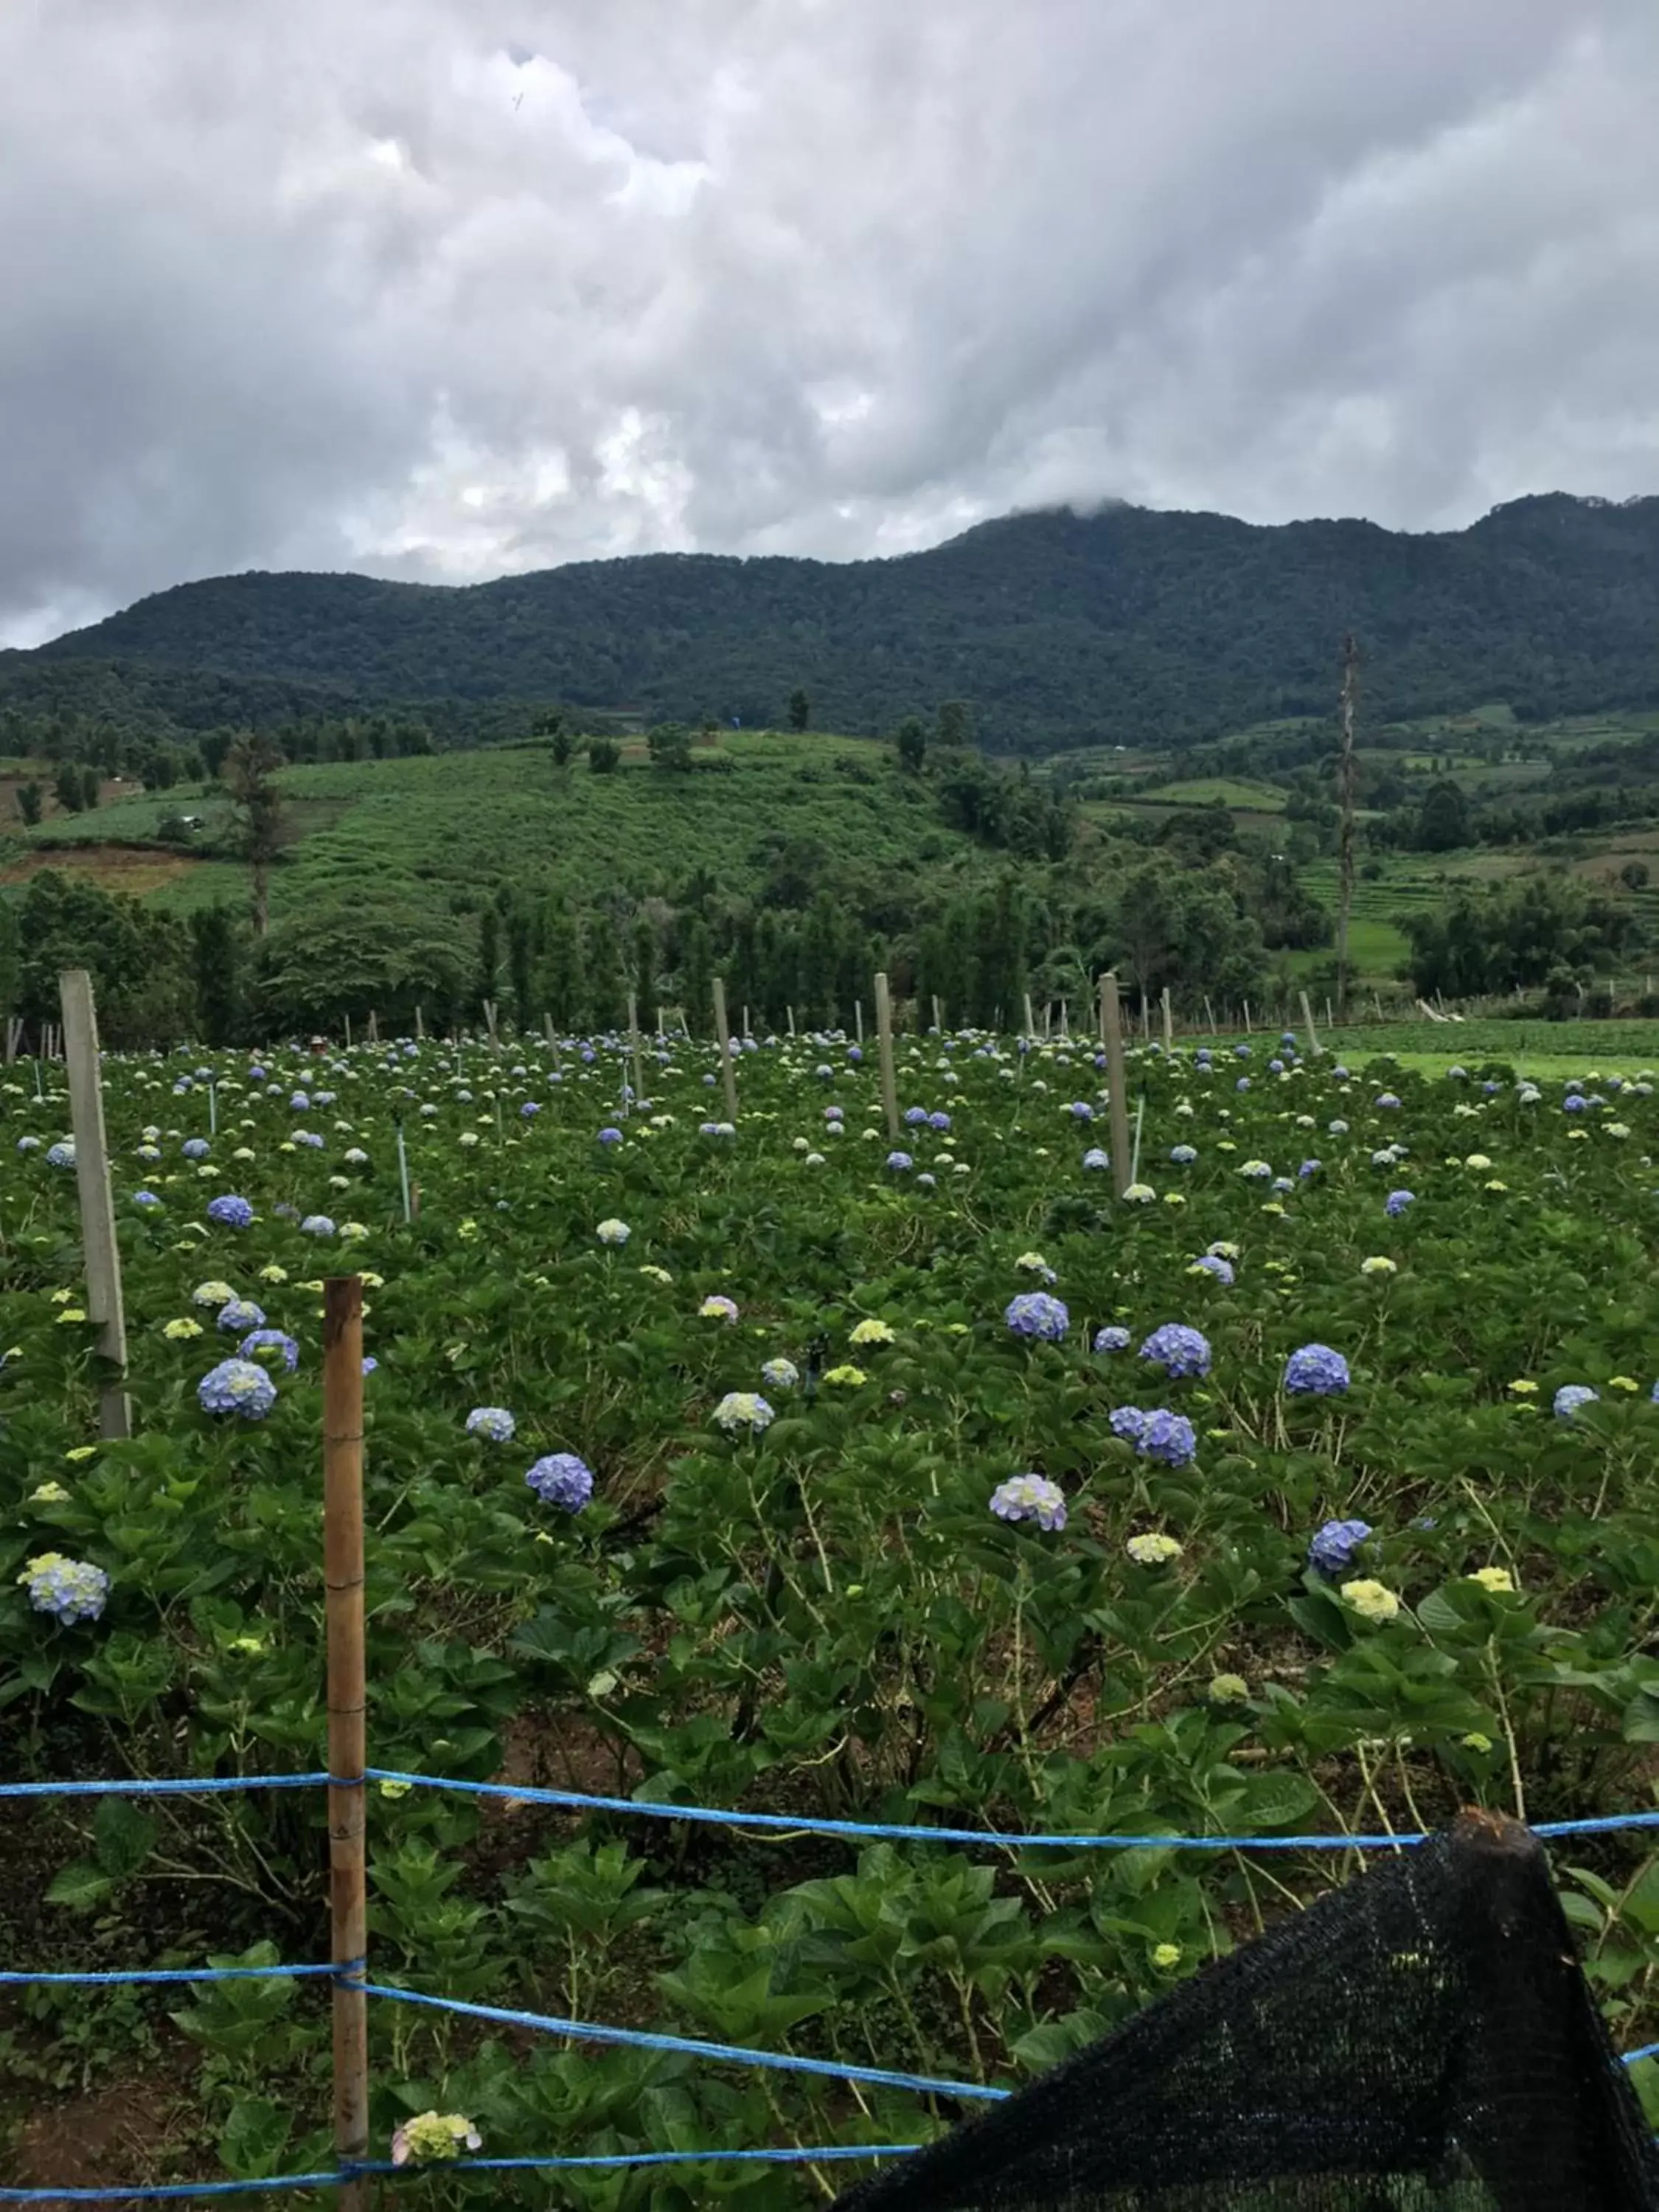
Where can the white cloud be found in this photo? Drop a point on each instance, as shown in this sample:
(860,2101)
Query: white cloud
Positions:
(445,287)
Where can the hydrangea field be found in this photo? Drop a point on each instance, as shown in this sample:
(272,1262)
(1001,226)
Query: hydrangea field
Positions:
(1309,1489)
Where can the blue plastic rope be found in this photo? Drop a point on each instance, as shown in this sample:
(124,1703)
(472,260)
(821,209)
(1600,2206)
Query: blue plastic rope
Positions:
(788,1823)
(183,1974)
(728,2053)
(211,1785)
(790,2157)
(1647,2050)
(579,1801)
(169,2188)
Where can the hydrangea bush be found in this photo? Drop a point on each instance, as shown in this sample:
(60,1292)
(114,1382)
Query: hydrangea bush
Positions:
(1338,1560)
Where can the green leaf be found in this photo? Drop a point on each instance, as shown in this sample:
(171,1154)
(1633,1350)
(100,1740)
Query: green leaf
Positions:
(123,1836)
(254,2138)
(79,1887)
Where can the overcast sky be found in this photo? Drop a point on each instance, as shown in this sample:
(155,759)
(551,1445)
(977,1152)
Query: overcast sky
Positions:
(442,288)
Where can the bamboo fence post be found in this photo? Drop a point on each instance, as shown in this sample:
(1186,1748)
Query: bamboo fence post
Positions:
(633,1034)
(938,1017)
(420,1025)
(402,1172)
(342,1575)
(1030,1025)
(885,1042)
(1209,1015)
(1064,1022)
(727,1074)
(348,1028)
(1314,1045)
(1169,1023)
(97,1239)
(1111,1029)
(1248,1030)
(790,1013)
(1146,1020)
(858,1018)
(746,1021)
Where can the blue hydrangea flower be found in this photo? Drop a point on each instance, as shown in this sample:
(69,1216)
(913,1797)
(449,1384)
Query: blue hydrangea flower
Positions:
(492,1421)
(195,1148)
(926,1182)
(915,1116)
(237,1386)
(1314,1370)
(939,1121)
(529,1109)
(899,1162)
(1212,1263)
(28,1143)
(1113,1339)
(1275,1068)
(269,1339)
(62,1154)
(1240,1052)
(1179,1351)
(1308,1168)
(145,1198)
(309,1138)
(1572,1104)
(609,1136)
(316,1225)
(1168,1436)
(1331,1549)
(1398,1200)
(562,1479)
(229,1210)
(68,1589)
(241,1315)
(1386,1099)
(1081,1110)
(1570,1396)
(1095,1160)
(1182,1155)
(1035,1313)
(1243,1084)
(1127,1422)
(1029,1497)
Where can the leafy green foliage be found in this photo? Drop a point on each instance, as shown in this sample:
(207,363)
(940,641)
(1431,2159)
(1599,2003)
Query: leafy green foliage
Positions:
(1052,629)
(826,1619)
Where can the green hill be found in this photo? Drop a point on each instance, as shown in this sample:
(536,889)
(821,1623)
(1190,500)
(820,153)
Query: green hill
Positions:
(1060,629)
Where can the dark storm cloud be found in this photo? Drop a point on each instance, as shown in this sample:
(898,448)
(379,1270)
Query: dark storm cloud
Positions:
(436,288)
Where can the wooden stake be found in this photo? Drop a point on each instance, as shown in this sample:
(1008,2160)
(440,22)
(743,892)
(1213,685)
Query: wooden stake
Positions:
(1248,1030)
(1209,1015)
(633,1034)
(347,1024)
(1169,1023)
(1030,1025)
(489,1023)
(1117,1082)
(1064,1022)
(727,1074)
(938,1018)
(420,1024)
(1146,1019)
(858,1018)
(884,1045)
(103,1254)
(342,1578)
(1314,1045)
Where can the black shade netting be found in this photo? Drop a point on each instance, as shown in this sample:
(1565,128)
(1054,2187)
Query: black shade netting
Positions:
(1421,2040)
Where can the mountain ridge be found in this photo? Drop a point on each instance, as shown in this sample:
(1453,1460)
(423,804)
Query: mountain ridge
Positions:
(1120,624)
